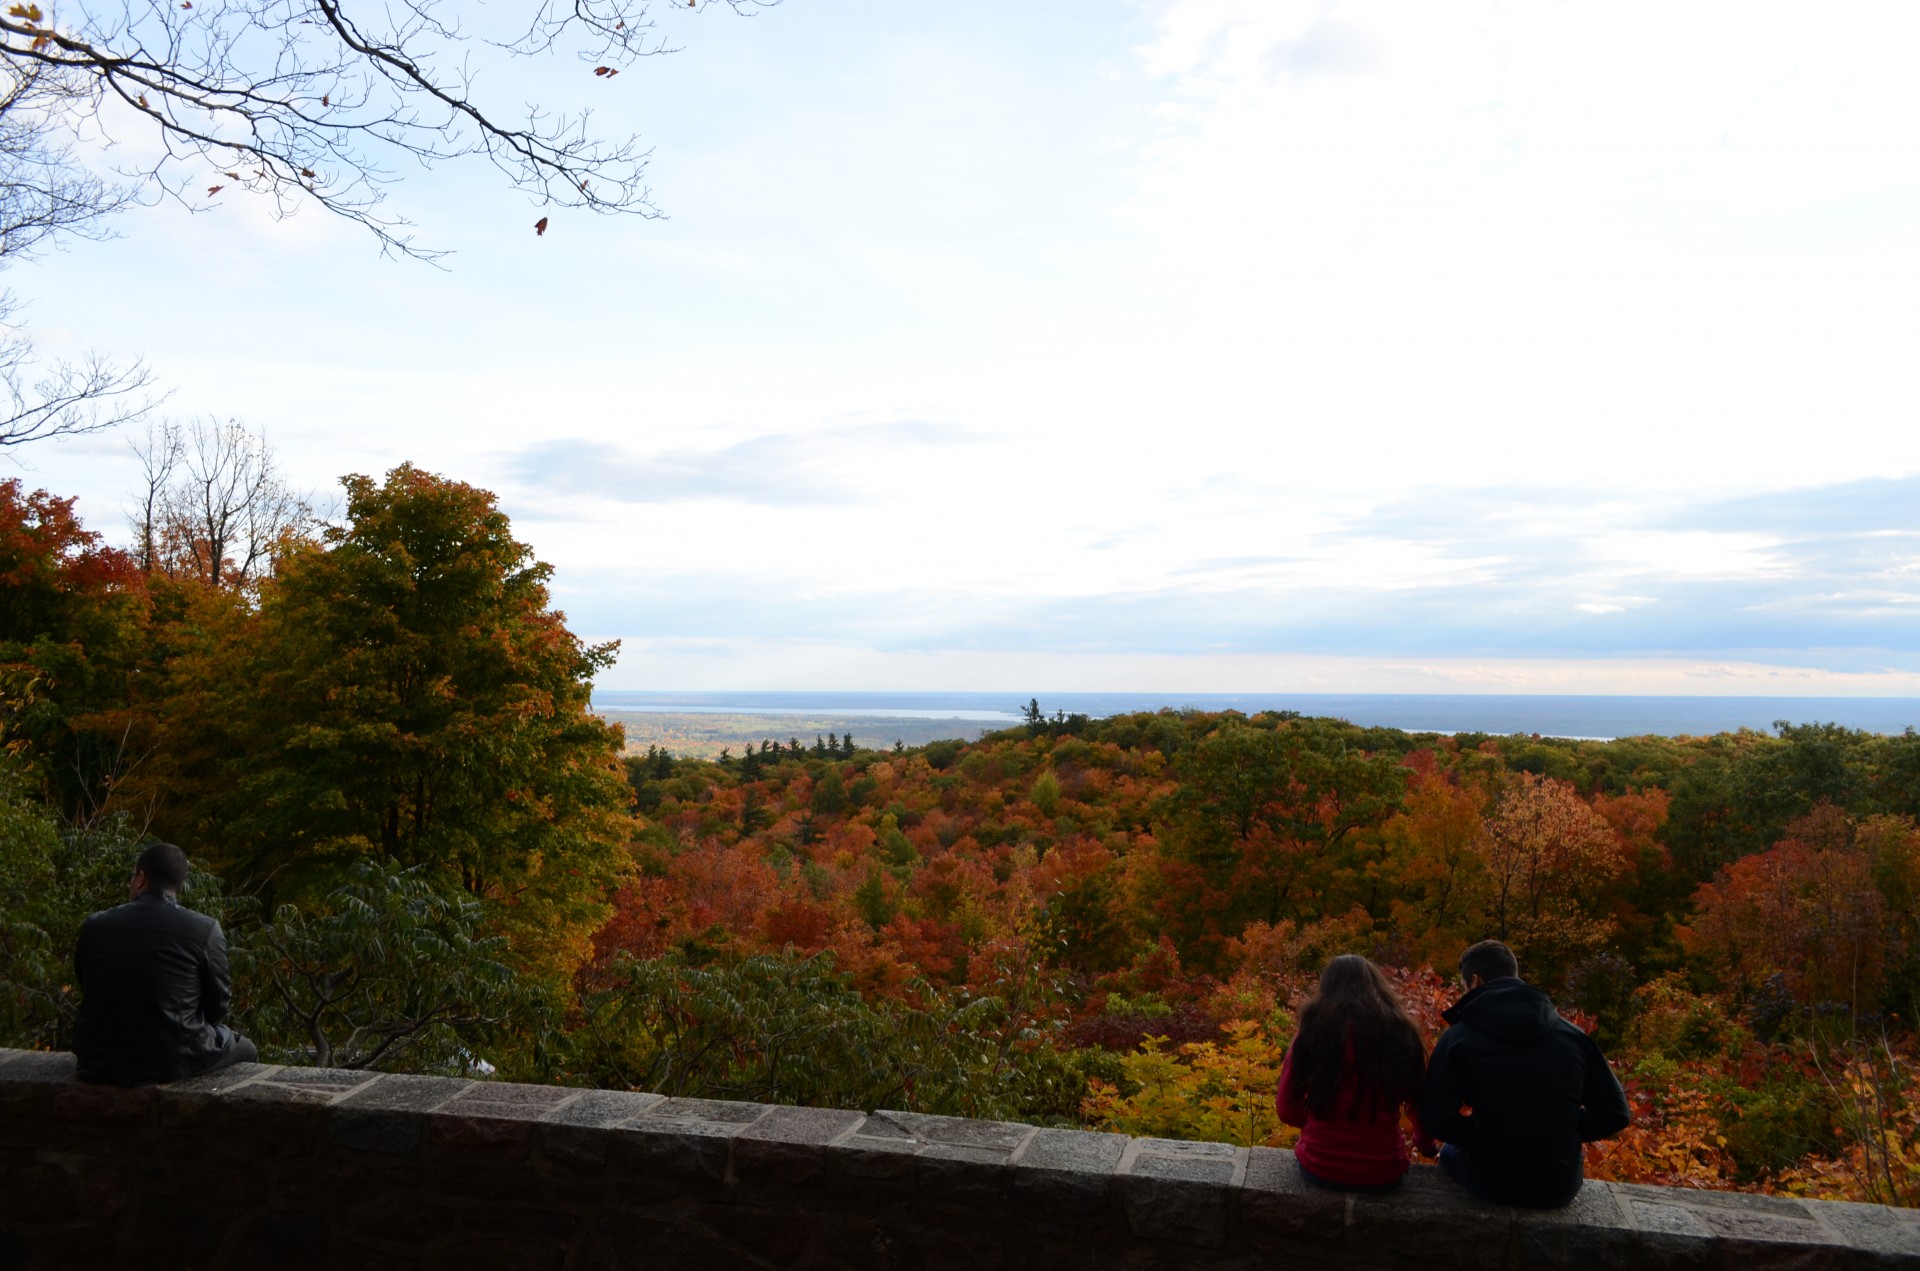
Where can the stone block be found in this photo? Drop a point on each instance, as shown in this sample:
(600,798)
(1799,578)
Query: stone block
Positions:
(1888,1237)
(1067,1171)
(779,1236)
(325,1084)
(1592,1232)
(221,1080)
(479,1137)
(691,1154)
(1182,1147)
(870,1159)
(460,1179)
(956,1174)
(1276,1201)
(863,1244)
(399,1092)
(1003,1136)
(380,1131)
(507,1100)
(1666,1235)
(39,1067)
(1179,1196)
(647,1242)
(1758,1240)
(788,1146)
(1430,1217)
(601,1108)
(405,1219)
(574,1148)
(255,1092)
(715,1111)
(107,1105)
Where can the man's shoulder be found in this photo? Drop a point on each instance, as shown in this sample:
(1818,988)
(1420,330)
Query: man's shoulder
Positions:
(147,915)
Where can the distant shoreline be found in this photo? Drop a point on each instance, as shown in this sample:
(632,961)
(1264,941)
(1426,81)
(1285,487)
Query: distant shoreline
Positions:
(967,715)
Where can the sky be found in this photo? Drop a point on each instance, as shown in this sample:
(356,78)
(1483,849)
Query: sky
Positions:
(1138,345)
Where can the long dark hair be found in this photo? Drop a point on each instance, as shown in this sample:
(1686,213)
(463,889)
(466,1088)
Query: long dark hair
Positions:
(1355,1006)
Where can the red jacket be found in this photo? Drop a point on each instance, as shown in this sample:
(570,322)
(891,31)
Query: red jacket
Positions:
(1369,1152)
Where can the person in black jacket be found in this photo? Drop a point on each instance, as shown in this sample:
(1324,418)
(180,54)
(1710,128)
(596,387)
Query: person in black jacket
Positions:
(1513,1090)
(154,985)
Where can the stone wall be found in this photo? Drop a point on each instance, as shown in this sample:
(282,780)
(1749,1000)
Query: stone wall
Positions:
(301,1167)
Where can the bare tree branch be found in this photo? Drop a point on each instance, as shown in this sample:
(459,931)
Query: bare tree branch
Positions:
(42,399)
(305,100)
(215,507)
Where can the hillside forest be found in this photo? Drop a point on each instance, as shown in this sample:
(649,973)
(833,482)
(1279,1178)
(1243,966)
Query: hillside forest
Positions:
(371,733)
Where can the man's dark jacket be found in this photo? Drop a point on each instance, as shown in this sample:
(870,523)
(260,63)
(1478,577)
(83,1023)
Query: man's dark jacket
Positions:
(1538,1088)
(154,987)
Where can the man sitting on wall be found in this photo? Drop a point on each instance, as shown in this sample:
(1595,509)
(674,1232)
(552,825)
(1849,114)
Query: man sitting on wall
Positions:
(1536,1088)
(154,984)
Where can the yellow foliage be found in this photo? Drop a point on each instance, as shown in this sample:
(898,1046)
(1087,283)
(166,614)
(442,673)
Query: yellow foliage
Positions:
(1213,1091)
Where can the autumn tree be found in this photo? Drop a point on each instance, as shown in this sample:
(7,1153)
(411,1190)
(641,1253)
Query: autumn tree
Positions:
(404,692)
(1437,861)
(1547,852)
(1807,909)
(1263,816)
(72,612)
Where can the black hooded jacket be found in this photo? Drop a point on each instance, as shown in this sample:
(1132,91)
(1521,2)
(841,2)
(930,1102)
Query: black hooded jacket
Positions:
(154,987)
(1538,1088)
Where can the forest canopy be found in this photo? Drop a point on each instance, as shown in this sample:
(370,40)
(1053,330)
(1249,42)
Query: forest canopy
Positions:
(431,854)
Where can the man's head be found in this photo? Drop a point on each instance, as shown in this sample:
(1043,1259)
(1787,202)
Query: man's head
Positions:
(1488,960)
(162,867)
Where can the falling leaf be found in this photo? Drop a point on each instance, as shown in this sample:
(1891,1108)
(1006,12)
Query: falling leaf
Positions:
(583,185)
(324,99)
(231,176)
(142,99)
(621,25)
(307,173)
(31,12)
(214,189)
(540,227)
(186,4)
(605,71)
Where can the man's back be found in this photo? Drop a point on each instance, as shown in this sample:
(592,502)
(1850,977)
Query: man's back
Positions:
(154,985)
(1538,1088)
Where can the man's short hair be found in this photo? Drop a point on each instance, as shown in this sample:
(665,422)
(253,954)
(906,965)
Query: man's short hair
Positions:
(1489,960)
(164,865)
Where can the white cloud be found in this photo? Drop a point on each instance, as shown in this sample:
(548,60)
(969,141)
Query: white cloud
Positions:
(1523,338)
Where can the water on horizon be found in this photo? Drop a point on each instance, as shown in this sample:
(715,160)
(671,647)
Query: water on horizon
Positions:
(1556,716)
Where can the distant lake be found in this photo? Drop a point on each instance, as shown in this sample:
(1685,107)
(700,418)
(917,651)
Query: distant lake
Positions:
(1555,716)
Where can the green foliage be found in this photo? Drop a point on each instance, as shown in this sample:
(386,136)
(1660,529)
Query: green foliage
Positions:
(386,972)
(830,794)
(50,880)
(794,1030)
(403,693)
(1045,793)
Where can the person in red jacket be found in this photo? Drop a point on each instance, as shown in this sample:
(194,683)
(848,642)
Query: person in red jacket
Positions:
(1355,1063)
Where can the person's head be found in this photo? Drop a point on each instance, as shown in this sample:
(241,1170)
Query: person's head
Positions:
(1488,960)
(162,867)
(1355,1011)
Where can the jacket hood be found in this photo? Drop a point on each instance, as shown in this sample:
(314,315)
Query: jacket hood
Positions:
(1510,1009)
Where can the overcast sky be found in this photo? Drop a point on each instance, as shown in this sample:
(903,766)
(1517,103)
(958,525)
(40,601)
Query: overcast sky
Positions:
(1178,345)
